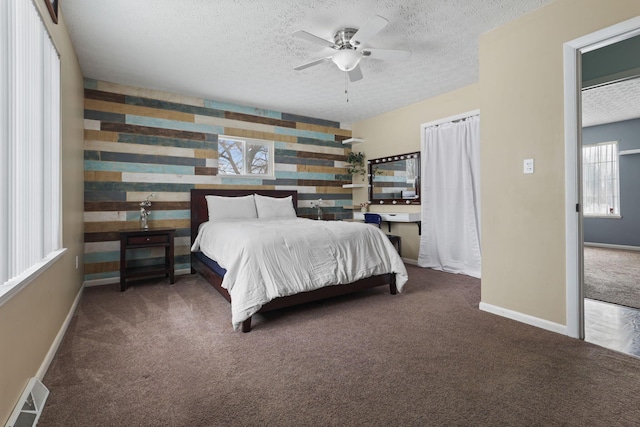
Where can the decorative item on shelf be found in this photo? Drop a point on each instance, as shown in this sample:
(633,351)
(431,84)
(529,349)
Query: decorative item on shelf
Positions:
(144,212)
(318,207)
(364,207)
(356,164)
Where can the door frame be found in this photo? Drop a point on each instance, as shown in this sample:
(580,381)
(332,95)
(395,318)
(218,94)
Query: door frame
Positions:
(574,239)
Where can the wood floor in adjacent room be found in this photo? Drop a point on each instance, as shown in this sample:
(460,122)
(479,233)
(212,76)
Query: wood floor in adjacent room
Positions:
(612,303)
(612,326)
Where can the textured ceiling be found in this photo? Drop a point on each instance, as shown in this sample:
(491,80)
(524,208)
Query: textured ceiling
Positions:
(243,51)
(611,103)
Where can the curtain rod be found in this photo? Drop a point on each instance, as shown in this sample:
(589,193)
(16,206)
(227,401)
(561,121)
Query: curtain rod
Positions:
(462,119)
(451,119)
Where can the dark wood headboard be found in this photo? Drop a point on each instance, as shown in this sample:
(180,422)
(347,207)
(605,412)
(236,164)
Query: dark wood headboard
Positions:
(200,213)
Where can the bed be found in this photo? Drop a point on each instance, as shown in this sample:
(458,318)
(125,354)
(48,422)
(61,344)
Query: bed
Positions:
(255,286)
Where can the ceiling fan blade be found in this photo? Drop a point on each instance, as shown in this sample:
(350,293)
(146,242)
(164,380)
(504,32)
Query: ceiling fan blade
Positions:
(369,30)
(355,74)
(311,64)
(387,54)
(314,39)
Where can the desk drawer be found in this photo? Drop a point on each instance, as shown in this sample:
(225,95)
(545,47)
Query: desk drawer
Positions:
(142,240)
(393,217)
(401,217)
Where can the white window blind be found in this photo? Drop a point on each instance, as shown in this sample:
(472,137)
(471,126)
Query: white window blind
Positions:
(30,231)
(600,177)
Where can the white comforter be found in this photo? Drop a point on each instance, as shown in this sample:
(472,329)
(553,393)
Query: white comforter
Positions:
(266,259)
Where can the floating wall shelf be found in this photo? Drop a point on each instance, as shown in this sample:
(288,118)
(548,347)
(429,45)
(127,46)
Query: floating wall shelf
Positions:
(353,141)
(354,185)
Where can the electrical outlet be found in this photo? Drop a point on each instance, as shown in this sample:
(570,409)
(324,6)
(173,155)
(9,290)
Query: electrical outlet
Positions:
(528,165)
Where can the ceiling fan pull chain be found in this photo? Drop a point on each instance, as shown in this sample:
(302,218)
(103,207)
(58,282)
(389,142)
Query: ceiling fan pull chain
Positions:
(346,85)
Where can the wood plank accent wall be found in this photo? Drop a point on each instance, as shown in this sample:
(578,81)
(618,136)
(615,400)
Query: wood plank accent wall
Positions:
(139,141)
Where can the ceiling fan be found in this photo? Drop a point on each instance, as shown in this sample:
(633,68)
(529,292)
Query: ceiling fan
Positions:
(348,44)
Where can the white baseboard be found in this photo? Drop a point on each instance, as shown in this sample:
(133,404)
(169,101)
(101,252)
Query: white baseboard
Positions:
(609,246)
(116,279)
(100,282)
(410,261)
(58,340)
(524,318)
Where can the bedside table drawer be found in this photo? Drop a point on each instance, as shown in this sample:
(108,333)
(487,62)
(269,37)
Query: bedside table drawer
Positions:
(142,240)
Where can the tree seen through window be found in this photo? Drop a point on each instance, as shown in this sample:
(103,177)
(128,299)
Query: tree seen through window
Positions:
(243,157)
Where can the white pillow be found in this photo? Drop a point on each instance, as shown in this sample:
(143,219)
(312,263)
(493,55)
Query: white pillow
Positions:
(221,208)
(274,207)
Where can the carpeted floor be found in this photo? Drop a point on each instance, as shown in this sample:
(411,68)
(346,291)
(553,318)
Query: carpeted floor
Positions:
(161,355)
(612,275)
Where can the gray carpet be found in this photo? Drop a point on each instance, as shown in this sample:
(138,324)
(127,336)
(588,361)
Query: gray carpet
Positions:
(612,275)
(161,355)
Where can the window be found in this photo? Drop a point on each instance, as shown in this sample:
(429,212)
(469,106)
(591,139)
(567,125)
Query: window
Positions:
(244,157)
(29,146)
(600,177)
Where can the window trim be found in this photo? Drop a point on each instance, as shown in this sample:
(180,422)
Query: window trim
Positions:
(600,216)
(266,142)
(16,284)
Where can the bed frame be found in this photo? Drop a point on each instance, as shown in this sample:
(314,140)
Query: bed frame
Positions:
(200,214)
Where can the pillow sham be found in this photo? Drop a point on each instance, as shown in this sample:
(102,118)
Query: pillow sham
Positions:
(221,207)
(274,207)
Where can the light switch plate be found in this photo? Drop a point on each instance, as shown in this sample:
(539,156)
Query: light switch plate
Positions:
(528,165)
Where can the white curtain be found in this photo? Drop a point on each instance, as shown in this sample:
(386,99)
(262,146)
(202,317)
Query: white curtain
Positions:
(450,170)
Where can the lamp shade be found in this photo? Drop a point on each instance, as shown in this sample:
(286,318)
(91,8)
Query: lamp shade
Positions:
(346,59)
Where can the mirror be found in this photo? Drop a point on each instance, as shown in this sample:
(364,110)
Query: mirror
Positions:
(395,180)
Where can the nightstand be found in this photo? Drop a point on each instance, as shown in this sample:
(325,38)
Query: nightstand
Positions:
(139,239)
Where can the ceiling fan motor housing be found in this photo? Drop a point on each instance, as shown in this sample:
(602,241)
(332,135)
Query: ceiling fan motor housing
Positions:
(343,37)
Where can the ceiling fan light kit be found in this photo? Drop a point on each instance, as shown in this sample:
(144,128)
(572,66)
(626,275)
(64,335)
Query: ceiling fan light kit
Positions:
(348,43)
(346,59)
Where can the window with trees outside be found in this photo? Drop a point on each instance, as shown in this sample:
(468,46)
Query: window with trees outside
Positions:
(601,182)
(245,157)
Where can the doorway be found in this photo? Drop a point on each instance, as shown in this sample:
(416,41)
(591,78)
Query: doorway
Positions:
(574,238)
(611,208)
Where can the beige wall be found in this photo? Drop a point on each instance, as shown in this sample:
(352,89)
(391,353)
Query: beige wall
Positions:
(398,132)
(521,93)
(30,321)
